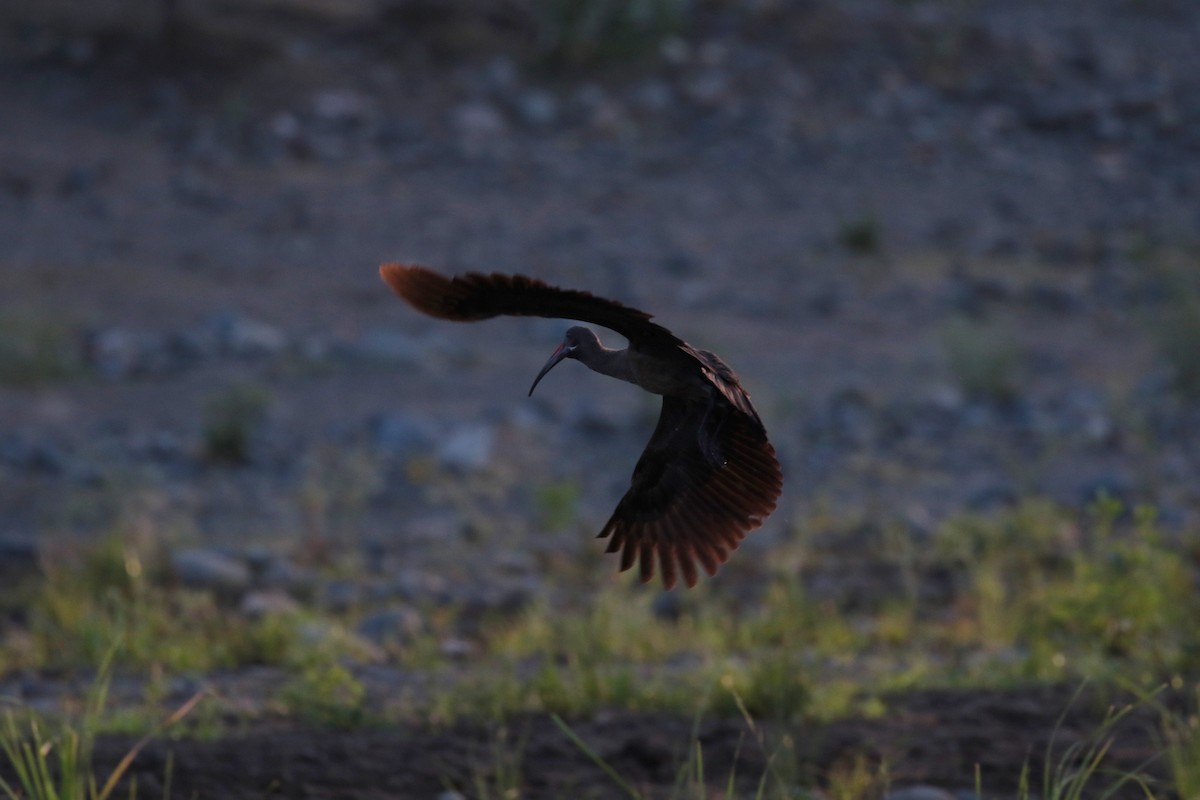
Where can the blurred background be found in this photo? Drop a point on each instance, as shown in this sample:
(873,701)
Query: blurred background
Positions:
(949,246)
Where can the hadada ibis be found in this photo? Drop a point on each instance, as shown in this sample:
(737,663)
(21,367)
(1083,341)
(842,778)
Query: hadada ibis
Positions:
(707,477)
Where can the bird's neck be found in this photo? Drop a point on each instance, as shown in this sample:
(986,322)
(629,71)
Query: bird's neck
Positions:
(606,361)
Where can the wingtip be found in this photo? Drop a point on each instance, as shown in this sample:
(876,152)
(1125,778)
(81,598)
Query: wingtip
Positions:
(393,274)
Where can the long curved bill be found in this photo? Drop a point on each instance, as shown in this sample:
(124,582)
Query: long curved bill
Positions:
(560,352)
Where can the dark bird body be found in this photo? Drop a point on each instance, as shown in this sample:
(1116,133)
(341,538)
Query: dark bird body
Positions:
(708,475)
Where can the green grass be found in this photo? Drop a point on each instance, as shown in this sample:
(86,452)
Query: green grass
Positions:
(326,694)
(119,588)
(232,417)
(35,351)
(983,358)
(557,504)
(590,32)
(861,235)
(52,760)
(1175,323)
(1042,594)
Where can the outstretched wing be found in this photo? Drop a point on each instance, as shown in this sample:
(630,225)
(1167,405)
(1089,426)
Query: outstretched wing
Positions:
(684,507)
(475,296)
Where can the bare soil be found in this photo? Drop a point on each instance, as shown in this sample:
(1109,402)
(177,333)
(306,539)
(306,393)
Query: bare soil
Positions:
(932,739)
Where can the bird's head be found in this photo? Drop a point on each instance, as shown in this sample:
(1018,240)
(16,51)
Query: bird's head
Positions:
(577,340)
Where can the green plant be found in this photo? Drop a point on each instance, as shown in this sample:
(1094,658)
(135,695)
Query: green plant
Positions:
(1179,732)
(773,684)
(231,418)
(1176,326)
(778,777)
(326,693)
(117,587)
(595,757)
(58,765)
(1075,773)
(857,777)
(557,504)
(583,32)
(36,351)
(860,235)
(983,359)
(337,486)
(501,774)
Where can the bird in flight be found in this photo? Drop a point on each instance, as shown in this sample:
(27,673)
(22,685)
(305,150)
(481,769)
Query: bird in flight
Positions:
(708,475)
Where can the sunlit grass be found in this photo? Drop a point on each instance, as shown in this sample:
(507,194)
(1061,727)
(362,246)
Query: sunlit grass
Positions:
(52,759)
(1040,594)
(1044,594)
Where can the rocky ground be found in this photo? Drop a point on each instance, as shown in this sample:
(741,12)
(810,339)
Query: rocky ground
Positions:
(856,204)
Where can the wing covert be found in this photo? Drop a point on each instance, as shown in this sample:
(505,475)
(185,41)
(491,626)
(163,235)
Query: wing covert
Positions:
(476,296)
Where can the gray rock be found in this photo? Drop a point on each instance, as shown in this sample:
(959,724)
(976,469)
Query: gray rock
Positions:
(1063,108)
(654,97)
(537,107)
(193,189)
(398,624)
(286,127)
(604,114)
(18,554)
(421,587)
(852,417)
(280,573)
(267,603)
(1110,486)
(1052,299)
(710,89)
(668,606)
(82,178)
(919,792)
(183,687)
(228,333)
(21,453)
(388,347)
(500,76)
(993,495)
(468,447)
(115,353)
(433,528)
(161,446)
(204,568)
(338,596)
(341,106)
(402,435)
(477,123)
(456,648)
(241,336)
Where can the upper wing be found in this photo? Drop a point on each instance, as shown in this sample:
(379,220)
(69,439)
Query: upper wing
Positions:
(681,507)
(475,296)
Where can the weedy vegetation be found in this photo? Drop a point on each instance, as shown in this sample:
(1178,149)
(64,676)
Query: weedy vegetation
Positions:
(983,358)
(1175,322)
(36,351)
(861,235)
(575,33)
(1040,594)
(231,419)
(52,759)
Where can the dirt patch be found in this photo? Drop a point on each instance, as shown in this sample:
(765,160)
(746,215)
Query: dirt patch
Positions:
(927,738)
